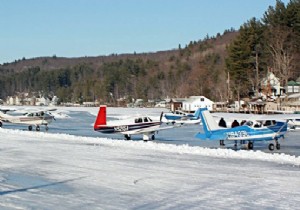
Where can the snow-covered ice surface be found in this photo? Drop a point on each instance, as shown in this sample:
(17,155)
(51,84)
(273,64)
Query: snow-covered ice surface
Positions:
(73,167)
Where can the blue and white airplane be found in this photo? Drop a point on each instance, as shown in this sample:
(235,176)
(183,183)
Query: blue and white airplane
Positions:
(180,117)
(244,133)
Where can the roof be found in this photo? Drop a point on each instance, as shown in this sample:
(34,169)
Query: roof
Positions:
(296,95)
(293,83)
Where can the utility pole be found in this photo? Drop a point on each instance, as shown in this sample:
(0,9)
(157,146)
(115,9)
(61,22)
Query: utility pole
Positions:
(228,87)
(256,60)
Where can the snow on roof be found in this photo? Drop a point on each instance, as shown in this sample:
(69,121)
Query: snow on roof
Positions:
(296,95)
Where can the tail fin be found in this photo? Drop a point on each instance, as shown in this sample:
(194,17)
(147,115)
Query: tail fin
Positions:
(101,117)
(197,114)
(208,122)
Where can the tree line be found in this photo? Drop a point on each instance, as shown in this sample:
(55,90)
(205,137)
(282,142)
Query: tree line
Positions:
(202,67)
(269,44)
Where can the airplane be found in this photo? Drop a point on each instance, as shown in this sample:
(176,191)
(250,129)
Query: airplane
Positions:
(181,117)
(244,133)
(138,125)
(293,120)
(36,118)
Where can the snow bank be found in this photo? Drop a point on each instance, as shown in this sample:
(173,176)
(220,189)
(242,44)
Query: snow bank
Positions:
(179,149)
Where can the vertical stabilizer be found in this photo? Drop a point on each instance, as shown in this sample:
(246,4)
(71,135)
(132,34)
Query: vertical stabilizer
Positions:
(197,114)
(209,124)
(101,117)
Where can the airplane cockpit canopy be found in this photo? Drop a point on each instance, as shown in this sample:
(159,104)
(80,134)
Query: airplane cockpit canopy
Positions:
(142,119)
(260,123)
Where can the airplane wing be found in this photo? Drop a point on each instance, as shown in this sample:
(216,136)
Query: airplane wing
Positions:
(149,130)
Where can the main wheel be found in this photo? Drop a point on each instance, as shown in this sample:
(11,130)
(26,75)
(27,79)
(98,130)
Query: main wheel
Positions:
(278,146)
(37,128)
(127,137)
(271,147)
(153,137)
(250,145)
(0,124)
(30,127)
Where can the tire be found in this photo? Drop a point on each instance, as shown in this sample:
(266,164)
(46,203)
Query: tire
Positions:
(153,137)
(37,128)
(271,147)
(250,145)
(127,137)
(278,146)
(1,124)
(30,127)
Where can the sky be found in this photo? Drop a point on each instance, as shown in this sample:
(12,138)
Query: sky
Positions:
(75,28)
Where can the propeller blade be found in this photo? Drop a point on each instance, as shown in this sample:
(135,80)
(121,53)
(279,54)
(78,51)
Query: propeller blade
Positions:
(161,116)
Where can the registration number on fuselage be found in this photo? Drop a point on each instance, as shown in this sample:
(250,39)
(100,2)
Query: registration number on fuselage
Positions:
(235,134)
(121,128)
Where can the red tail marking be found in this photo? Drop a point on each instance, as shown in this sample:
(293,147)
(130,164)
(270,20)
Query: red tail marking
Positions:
(101,117)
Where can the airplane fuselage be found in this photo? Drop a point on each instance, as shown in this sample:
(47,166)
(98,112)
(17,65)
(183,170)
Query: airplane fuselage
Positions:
(126,129)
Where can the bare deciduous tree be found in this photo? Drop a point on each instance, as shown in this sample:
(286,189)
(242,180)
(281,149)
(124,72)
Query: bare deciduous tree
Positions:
(281,49)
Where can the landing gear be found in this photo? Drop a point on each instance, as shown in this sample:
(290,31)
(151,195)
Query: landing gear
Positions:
(0,124)
(30,127)
(271,147)
(37,128)
(235,144)
(277,144)
(47,128)
(127,137)
(222,143)
(250,145)
(148,137)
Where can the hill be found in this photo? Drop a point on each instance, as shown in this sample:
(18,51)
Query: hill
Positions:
(196,69)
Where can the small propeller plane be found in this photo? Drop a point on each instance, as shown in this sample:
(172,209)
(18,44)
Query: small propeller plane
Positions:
(139,125)
(31,119)
(181,117)
(244,133)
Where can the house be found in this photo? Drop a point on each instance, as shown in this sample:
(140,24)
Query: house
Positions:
(14,100)
(271,85)
(292,102)
(293,87)
(42,101)
(195,102)
(176,103)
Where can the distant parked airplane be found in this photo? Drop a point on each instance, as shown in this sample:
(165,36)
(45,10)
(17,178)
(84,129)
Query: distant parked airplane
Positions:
(244,133)
(136,125)
(181,117)
(35,118)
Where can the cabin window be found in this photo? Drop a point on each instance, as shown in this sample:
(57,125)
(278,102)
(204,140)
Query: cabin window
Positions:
(145,119)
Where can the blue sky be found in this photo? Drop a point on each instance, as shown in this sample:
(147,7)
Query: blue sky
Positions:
(75,28)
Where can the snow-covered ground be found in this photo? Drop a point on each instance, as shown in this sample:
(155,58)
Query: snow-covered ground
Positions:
(72,167)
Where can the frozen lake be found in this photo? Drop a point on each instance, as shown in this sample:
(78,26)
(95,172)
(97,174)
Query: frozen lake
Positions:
(81,122)
(73,167)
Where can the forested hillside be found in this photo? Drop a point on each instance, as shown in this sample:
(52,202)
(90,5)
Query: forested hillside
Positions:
(199,68)
(190,70)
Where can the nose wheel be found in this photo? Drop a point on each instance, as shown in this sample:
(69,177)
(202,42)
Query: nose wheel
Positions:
(272,147)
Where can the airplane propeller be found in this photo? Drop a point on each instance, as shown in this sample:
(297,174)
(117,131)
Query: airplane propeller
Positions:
(161,116)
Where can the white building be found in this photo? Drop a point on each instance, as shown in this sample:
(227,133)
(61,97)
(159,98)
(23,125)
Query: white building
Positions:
(195,102)
(272,82)
(13,100)
(42,101)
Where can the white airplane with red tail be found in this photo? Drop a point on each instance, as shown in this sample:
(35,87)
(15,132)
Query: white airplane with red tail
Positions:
(133,126)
